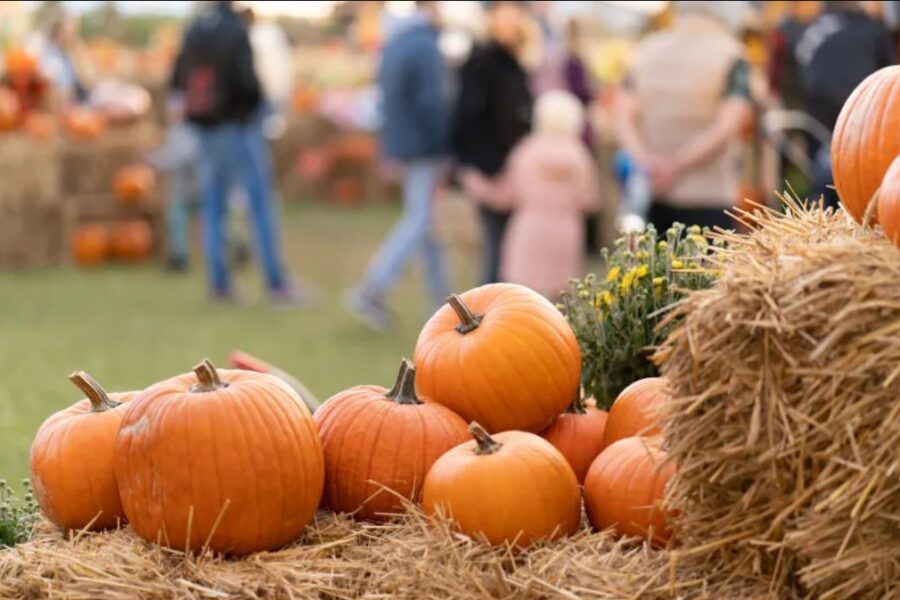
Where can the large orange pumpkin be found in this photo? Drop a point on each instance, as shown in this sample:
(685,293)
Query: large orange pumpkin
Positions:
(84,123)
(90,244)
(72,460)
(889,203)
(512,488)
(636,410)
(578,434)
(20,64)
(230,460)
(10,109)
(625,487)
(133,183)
(379,444)
(502,355)
(131,240)
(865,140)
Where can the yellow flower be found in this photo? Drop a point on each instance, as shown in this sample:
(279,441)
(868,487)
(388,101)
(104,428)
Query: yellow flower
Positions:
(626,282)
(677,264)
(642,271)
(584,294)
(699,239)
(694,229)
(607,298)
(658,281)
(613,274)
(642,255)
(662,245)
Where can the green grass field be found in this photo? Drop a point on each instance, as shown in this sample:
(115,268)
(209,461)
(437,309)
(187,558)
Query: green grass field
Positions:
(132,326)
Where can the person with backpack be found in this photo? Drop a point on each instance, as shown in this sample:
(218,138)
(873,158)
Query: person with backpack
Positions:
(222,96)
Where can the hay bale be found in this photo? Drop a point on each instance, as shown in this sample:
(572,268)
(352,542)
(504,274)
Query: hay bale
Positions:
(785,422)
(29,171)
(31,236)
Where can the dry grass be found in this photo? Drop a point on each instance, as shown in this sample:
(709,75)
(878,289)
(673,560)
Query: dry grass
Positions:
(786,423)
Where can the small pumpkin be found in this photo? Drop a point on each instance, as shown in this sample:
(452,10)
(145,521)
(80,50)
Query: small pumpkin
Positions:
(72,460)
(133,183)
(347,190)
(625,487)
(20,65)
(578,435)
(10,109)
(379,444)
(511,488)
(889,203)
(224,459)
(305,100)
(865,140)
(84,123)
(90,244)
(502,355)
(131,240)
(636,410)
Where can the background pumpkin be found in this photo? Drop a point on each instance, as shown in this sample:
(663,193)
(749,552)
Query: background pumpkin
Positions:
(40,125)
(578,435)
(10,109)
(84,123)
(72,460)
(502,355)
(636,410)
(625,487)
(20,65)
(865,139)
(889,203)
(131,240)
(374,438)
(226,458)
(133,183)
(90,244)
(514,487)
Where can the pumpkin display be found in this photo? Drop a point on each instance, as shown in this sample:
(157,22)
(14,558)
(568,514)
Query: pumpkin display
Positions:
(379,444)
(39,125)
(865,140)
(20,65)
(313,164)
(347,190)
(133,183)
(72,460)
(625,487)
(84,123)
(223,459)
(502,355)
(90,244)
(889,203)
(356,149)
(511,488)
(131,240)
(636,410)
(10,109)
(578,435)
(305,100)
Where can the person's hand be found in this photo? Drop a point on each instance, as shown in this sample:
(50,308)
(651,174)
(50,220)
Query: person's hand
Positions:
(663,174)
(474,183)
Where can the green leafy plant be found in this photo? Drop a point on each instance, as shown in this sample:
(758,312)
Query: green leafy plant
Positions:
(616,318)
(17,517)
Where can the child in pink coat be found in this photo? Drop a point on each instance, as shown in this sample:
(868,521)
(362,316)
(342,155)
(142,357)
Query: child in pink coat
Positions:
(549,182)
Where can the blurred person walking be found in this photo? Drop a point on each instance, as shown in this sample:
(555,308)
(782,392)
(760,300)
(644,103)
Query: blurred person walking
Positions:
(680,113)
(414,132)
(55,61)
(493,114)
(550,183)
(215,72)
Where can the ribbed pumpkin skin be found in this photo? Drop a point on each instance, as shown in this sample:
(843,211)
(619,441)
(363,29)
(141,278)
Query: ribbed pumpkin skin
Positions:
(579,437)
(889,203)
(524,492)
(181,456)
(517,370)
(72,466)
(625,487)
(635,411)
(866,139)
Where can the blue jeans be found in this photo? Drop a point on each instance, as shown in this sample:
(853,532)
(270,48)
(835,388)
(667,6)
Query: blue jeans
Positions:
(236,153)
(413,235)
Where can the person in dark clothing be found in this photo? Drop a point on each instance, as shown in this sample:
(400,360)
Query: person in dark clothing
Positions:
(783,72)
(835,53)
(493,114)
(221,95)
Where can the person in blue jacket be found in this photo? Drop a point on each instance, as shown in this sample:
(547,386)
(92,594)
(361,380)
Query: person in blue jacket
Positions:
(414,133)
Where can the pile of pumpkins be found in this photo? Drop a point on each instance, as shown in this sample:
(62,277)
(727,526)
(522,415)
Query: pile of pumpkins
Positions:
(481,428)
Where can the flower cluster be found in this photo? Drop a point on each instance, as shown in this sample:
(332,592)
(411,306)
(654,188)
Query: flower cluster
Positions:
(17,517)
(616,317)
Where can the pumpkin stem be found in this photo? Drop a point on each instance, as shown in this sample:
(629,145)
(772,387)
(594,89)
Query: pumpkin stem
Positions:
(207,377)
(404,390)
(100,400)
(486,444)
(468,321)
(577,405)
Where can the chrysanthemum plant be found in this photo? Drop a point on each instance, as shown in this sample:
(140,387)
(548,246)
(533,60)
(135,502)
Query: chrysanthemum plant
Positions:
(17,517)
(616,317)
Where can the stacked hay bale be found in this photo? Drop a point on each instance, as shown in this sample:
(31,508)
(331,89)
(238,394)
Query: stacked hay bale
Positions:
(785,422)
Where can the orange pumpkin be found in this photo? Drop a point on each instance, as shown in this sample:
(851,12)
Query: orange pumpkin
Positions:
(379,444)
(10,109)
(20,64)
(225,459)
(357,149)
(40,125)
(133,183)
(502,355)
(865,140)
(636,410)
(72,460)
(84,123)
(578,434)
(625,487)
(513,488)
(347,191)
(90,244)
(131,240)
(889,203)
(305,101)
